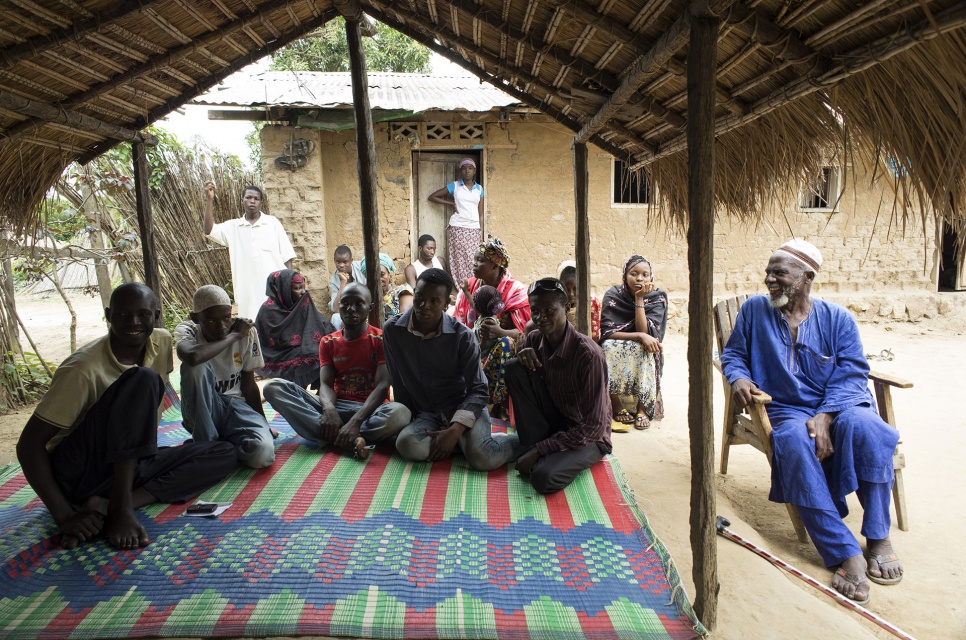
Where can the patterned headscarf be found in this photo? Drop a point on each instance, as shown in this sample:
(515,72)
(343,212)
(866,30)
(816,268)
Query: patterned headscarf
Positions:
(495,251)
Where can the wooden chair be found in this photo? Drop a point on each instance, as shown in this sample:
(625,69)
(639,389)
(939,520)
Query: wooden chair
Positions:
(751,425)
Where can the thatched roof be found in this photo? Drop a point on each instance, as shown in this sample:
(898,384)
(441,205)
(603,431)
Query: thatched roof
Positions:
(880,79)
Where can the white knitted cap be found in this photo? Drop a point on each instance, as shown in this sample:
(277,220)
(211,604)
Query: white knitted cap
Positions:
(210,295)
(804,252)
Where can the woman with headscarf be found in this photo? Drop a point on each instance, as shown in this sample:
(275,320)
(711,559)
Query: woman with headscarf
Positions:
(490,266)
(396,299)
(290,329)
(633,321)
(465,230)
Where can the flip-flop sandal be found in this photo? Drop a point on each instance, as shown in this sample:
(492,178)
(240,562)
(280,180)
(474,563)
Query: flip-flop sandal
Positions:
(857,581)
(621,422)
(639,422)
(880,560)
(361,449)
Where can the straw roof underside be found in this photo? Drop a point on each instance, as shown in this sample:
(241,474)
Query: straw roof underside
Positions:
(880,81)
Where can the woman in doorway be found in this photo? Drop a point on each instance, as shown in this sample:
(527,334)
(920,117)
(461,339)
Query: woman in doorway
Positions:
(490,266)
(465,230)
(290,329)
(633,321)
(396,298)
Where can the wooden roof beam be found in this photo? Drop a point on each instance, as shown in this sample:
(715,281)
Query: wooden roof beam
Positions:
(168,59)
(561,55)
(12,55)
(352,10)
(189,93)
(489,58)
(847,65)
(667,45)
(426,38)
(49,113)
(784,44)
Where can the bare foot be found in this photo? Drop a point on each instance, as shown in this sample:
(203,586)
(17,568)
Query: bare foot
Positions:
(883,562)
(124,531)
(849,580)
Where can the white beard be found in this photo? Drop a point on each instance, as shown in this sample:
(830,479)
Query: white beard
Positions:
(780,301)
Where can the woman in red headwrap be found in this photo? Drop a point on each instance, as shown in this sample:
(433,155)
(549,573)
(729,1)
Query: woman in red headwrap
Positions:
(490,266)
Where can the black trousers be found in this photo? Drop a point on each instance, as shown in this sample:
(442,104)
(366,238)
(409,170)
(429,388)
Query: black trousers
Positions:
(123,425)
(537,418)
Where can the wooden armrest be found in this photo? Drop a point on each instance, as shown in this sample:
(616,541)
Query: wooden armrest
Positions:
(761,398)
(890,380)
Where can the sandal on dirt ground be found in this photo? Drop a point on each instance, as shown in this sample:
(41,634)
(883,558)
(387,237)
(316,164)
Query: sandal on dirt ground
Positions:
(641,422)
(621,422)
(858,582)
(892,558)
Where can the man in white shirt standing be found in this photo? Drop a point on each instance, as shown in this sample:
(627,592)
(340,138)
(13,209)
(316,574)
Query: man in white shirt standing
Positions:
(219,398)
(257,246)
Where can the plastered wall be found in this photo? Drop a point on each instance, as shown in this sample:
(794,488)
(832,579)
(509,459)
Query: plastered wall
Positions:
(528,178)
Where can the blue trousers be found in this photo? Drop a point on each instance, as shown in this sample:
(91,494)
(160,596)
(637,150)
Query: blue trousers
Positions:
(303,410)
(209,415)
(483,451)
(862,462)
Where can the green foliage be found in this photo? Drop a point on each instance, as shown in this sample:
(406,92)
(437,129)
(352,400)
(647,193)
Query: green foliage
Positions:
(328,50)
(173,314)
(26,376)
(254,141)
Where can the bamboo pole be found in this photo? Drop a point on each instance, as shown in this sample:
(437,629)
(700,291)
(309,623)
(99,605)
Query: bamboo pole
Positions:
(702,57)
(142,172)
(582,241)
(92,214)
(366,148)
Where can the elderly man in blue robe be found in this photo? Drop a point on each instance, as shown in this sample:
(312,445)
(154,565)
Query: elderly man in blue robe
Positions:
(827,438)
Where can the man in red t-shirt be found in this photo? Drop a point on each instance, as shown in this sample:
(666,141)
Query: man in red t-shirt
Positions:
(351,409)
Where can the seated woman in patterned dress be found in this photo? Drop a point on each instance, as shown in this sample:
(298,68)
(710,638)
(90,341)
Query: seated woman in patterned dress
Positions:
(633,321)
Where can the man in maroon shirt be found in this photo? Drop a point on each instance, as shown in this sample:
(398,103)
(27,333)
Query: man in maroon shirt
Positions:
(558,385)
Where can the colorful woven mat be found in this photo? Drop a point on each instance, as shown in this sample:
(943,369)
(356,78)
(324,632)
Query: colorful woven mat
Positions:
(321,544)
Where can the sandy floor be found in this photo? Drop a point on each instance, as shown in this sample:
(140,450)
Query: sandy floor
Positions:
(756,599)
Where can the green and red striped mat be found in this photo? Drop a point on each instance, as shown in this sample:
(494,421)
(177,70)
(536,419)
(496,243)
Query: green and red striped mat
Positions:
(321,544)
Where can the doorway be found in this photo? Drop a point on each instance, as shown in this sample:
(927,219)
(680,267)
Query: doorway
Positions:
(433,170)
(952,265)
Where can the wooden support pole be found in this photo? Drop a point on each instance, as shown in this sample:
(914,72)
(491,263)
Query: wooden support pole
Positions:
(582,242)
(702,58)
(142,174)
(366,148)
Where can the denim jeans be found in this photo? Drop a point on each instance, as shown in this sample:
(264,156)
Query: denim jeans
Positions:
(482,450)
(209,415)
(303,410)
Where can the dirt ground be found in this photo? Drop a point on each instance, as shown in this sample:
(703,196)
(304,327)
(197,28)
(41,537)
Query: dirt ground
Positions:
(757,600)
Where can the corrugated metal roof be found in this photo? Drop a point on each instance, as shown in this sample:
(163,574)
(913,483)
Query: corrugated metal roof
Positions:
(409,91)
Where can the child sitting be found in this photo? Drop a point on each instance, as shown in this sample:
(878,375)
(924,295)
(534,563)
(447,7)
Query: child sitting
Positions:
(487,305)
